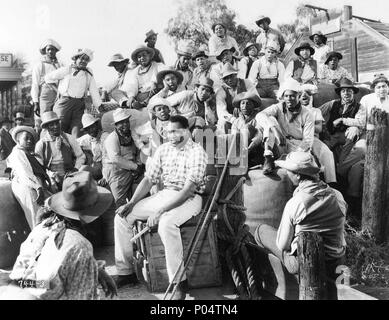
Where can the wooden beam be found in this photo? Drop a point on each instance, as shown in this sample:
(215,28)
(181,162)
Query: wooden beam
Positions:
(354,58)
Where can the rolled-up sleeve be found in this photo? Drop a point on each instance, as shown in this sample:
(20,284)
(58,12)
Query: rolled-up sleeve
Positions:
(197,166)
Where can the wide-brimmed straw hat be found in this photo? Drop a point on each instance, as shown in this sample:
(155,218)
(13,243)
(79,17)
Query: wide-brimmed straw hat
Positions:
(157,101)
(322,36)
(47,117)
(333,54)
(248,95)
(141,48)
(206,82)
(249,45)
(150,33)
(299,162)
(87,120)
(262,18)
(163,73)
(219,53)
(19,129)
(289,84)
(345,83)
(304,45)
(81,52)
(120,114)
(117,58)
(80,198)
(227,70)
(49,42)
(184,49)
(379,78)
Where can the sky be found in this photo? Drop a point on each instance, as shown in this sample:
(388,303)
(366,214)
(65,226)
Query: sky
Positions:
(109,27)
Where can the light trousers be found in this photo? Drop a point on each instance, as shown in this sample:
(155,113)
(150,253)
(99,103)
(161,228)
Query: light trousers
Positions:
(326,159)
(168,229)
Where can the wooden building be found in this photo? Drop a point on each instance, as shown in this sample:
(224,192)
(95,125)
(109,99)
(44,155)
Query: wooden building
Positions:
(363,42)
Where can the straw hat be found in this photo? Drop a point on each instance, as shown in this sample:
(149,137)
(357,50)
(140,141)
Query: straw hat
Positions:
(299,162)
(163,73)
(81,52)
(150,33)
(345,83)
(141,48)
(198,54)
(206,82)
(157,101)
(120,114)
(304,45)
(227,70)
(273,45)
(289,84)
(322,36)
(184,49)
(87,120)
(49,42)
(262,18)
(249,45)
(19,129)
(47,117)
(333,54)
(117,58)
(248,95)
(221,50)
(80,198)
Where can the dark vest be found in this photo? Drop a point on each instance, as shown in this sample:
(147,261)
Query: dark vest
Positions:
(249,65)
(240,88)
(336,113)
(298,68)
(67,154)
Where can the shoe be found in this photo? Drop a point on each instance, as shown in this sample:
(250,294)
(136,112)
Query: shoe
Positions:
(181,291)
(268,166)
(129,279)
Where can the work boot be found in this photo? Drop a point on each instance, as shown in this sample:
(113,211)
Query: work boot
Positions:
(268,166)
(128,279)
(181,291)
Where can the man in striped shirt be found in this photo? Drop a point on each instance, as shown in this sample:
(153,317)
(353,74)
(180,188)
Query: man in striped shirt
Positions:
(180,165)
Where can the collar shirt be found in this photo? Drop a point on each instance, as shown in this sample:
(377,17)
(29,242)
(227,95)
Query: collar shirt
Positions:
(367,103)
(174,167)
(38,75)
(56,152)
(95,145)
(75,84)
(298,217)
(298,127)
(264,69)
(184,102)
(216,43)
(320,54)
(141,80)
(328,75)
(67,273)
(199,73)
(118,81)
(269,36)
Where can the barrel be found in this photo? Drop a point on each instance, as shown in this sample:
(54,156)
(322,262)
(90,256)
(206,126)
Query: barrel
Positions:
(265,197)
(14,228)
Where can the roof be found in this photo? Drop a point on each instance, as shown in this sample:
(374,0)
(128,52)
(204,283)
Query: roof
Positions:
(382,28)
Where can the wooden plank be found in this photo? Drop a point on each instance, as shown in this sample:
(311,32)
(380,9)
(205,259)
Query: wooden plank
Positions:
(205,258)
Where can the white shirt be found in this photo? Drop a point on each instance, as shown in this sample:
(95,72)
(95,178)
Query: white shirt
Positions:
(320,54)
(216,43)
(75,86)
(217,73)
(264,69)
(308,73)
(95,145)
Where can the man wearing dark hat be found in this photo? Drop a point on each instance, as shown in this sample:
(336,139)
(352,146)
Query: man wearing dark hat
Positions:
(251,54)
(58,151)
(268,34)
(44,94)
(203,69)
(6,141)
(30,182)
(220,39)
(75,82)
(171,80)
(184,64)
(321,47)
(195,103)
(121,165)
(140,84)
(151,40)
(268,72)
(314,207)
(230,88)
(224,55)
(331,71)
(303,68)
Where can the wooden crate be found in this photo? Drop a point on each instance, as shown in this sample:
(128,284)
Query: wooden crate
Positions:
(203,271)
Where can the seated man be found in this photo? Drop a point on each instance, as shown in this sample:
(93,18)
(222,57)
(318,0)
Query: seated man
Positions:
(121,164)
(319,148)
(6,141)
(230,88)
(293,124)
(314,207)
(180,165)
(184,56)
(171,82)
(251,54)
(304,68)
(195,103)
(331,71)
(30,182)
(203,66)
(58,151)
(226,56)
(92,145)
(268,72)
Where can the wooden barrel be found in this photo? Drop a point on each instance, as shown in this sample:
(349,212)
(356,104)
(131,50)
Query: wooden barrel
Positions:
(14,228)
(265,197)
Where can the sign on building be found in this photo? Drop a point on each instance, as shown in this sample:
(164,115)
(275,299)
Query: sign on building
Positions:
(6,60)
(327,27)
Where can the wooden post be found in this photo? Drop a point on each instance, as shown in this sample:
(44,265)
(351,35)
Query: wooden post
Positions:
(375,200)
(310,256)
